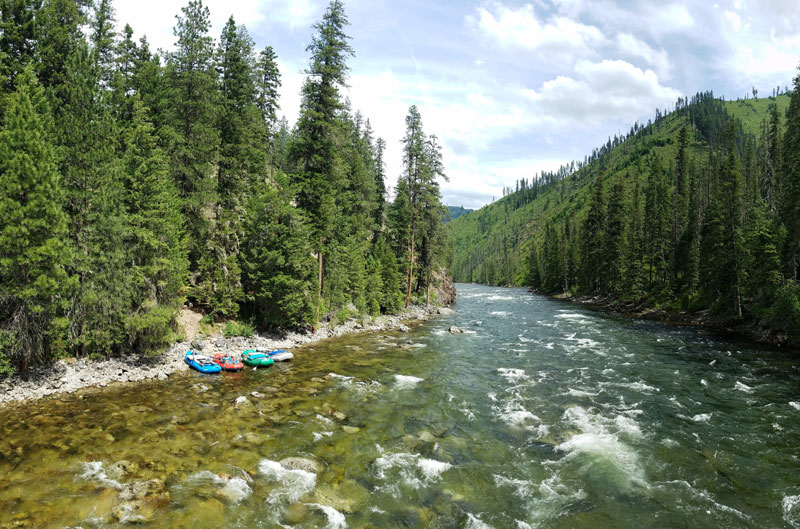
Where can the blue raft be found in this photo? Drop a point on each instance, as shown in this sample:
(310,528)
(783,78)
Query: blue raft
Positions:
(201,363)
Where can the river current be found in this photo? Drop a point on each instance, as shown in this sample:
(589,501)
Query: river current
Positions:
(542,414)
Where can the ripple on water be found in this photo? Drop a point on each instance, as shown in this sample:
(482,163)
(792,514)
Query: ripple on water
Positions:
(336,520)
(513,375)
(473,522)
(291,484)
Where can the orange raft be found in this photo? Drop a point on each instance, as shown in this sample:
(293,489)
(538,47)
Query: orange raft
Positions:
(227,363)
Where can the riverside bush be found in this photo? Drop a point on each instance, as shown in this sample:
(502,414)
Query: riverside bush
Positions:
(236,328)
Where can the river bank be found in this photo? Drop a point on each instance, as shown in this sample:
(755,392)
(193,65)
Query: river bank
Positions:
(758,332)
(70,375)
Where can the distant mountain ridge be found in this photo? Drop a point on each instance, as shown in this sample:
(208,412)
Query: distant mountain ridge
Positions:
(456,212)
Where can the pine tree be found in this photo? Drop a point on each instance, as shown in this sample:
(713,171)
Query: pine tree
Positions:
(656,223)
(34,257)
(789,209)
(92,181)
(193,113)
(17,40)
(58,34)
(102,39)
(278,271)
(615,238)
(634,242)
(268,82)
(313,150)
(155,247)
(593,244)
(680,209)
(380,185)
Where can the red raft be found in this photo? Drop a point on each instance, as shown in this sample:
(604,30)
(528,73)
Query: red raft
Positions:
(227,363)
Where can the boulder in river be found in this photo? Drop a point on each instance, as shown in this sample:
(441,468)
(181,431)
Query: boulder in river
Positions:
(456,330)
(445,311)
(139,501)
(403,328)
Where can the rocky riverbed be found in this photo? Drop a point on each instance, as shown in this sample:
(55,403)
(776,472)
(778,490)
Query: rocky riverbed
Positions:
(67,376)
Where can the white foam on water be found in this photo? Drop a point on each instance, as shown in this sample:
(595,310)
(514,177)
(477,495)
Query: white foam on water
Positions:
(95,471)
(596,440)
(236,489)
(473,522)
(608,371)
(669,443)
(336,520)
(492,396)
(743,387)
(495,297)
(432,469)
(702,417)
(406,381)
(513,413)
(791,510)
(703,383)
(499,313)
(572,392)
(584,343)
(413,470)
(513,375)
(318,436)
(323,419)
(340,378)
(523,525)
(525,340)
(293,484)
(795,405)
(777,427)
(522,488)
(638,386)
(627,426)
(579,318)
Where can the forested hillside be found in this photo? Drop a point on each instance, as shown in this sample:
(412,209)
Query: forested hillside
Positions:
(698,209)
(134,181)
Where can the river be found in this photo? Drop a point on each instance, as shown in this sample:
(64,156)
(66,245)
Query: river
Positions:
(543,414)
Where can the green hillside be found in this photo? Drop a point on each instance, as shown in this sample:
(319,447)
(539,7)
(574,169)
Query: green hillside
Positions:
(629,220)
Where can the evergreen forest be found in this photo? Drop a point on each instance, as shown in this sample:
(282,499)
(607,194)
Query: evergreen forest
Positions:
(135,181)
(696,211)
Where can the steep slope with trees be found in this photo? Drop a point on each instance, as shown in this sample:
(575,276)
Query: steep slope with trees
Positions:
(133,183)
(695,210)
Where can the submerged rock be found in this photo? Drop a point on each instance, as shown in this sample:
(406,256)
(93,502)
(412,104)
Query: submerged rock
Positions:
(300,463)
(241,403)
(139,501)
(348,496)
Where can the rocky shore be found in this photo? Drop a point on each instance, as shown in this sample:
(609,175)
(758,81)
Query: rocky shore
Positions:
(758,332)
(67,376)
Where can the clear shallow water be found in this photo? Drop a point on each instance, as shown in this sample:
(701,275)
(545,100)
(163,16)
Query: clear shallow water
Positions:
(542,415)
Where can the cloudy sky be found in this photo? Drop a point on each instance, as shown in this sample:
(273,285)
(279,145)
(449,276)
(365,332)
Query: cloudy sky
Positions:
(513,87)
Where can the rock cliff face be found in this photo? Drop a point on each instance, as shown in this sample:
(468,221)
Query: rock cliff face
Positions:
(445,289)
